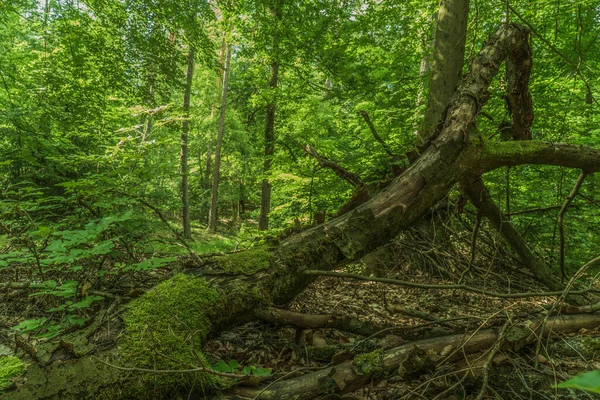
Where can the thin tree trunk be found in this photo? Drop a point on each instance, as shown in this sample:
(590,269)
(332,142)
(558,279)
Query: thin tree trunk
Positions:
(428,42)
(206,184)
(448,59)
(213,110)
(185,129)
(265,199)
(212,222)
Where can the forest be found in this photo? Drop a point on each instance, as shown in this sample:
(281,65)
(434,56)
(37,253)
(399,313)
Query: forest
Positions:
(309,199)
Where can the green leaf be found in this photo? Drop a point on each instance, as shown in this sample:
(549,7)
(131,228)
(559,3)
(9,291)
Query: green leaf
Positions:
(86,302)
(261,371)
(234,364)
(221,366)
(30,324)
(589,381)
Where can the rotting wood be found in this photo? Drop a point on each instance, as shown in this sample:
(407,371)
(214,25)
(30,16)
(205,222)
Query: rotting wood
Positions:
(343,378)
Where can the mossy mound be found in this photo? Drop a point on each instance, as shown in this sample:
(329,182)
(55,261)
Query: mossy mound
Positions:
(247,262)
(10,367)
(166,328)
(368,363)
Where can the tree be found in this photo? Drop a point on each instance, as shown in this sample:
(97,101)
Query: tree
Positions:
(212,223)
(265,199)
(89,188)
(185,129)
(448,60)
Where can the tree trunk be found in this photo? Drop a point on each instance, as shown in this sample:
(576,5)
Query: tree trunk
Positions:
(206,183)
(185,129)
(265,199)
(230,288)
(448,59)
(212,223)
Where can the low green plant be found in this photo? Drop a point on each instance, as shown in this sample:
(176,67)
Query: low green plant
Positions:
(588,381)
(234,367)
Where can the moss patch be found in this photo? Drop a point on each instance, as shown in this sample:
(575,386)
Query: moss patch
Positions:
(247,262)
(10,367)
(166,328)
(368,363)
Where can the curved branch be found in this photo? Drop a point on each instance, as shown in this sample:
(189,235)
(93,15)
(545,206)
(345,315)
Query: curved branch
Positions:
(481,198)
(501,154)
(324,162)
(385,146)
(561,221)
(459,286)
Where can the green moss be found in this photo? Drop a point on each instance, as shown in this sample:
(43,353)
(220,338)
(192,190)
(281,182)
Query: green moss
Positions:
(368,363)
(165,329)
(10,367)
(591,346)
(246,262)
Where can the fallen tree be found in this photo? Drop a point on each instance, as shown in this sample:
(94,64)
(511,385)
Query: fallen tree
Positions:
(165,328)
(412,359)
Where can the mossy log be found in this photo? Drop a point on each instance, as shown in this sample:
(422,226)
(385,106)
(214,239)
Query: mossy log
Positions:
(165,328)
(411,360)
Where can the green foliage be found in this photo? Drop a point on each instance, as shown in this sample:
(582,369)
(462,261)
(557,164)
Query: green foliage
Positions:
(588,381)
(234,367)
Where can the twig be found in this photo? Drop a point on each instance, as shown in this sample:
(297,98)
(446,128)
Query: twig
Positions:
(173,371)
(447,287)
(561,222)
(562,297)
(162,217)
(473,247)
(367,119)
(490,358)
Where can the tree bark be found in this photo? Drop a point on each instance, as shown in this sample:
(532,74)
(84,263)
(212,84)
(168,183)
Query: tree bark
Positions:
(265,198)
(185,129)
(447,66)
(206,183)
(212,222)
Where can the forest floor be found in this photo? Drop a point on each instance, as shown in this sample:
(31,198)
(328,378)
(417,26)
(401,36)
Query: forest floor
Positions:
(436,252)
(428,257)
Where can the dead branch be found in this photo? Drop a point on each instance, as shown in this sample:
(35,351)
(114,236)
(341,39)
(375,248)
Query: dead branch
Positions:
(495,155)
(387,149)
(562,297)
(324,162)
(346,377)
(448,287)
(481,198)
(561,222)
(162,217)
(313,321)
(537,209)
(488,362)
